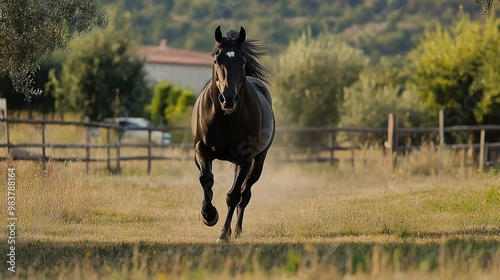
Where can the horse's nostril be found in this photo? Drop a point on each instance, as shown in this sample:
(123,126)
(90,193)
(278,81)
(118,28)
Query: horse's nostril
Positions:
(236,98)
(222,100)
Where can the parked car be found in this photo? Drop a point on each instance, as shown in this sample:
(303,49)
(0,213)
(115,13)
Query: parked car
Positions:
(157,136)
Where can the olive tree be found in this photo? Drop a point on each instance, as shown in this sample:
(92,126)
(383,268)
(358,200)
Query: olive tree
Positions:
(311,78)
(31,29)
(457,70)
(368,103)
(104,77)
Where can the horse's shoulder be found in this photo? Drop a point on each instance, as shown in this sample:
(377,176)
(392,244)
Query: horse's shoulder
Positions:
(259,87)
(201,101)
(256,82)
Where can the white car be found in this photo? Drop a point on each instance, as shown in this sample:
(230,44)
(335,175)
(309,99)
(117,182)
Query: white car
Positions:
(156,135)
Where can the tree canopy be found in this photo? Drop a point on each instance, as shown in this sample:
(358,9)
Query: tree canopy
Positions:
(313,73)
(379,91)
(457,70)
(379,27)
(31,29)
(104,77)
(171,104)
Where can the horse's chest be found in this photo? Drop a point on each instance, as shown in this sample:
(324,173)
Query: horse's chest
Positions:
(223,139)
(228,142)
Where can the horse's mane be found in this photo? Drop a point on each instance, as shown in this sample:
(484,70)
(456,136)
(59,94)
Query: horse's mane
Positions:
(253,50)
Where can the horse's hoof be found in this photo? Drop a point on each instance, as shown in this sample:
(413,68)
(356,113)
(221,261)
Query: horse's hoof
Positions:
(213,222)
(225,236)
(223,241)
(237,233)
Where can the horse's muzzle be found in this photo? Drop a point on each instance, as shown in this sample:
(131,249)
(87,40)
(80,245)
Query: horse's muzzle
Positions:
(228,105)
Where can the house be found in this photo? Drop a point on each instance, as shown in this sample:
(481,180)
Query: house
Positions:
(187,69)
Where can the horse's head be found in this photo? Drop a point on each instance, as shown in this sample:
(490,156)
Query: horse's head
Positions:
(229,68)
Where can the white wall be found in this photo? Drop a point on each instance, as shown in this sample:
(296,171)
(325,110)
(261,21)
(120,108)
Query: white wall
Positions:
(194,77)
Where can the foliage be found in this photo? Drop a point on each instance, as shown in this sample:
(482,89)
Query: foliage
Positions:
(487,5)
(384,27)
(31,29)
(377,93)
(311,80)
(458,69)
(171,105)
(104,77)
(159,103)
(43,102)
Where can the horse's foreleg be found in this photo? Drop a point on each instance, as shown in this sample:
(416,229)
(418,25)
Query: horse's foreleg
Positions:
(246,194)
(233,198)
(203,161)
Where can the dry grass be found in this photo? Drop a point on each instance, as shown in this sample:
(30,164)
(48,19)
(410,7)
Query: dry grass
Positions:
(304,220)
(455,259)
(290,203)
(432,218)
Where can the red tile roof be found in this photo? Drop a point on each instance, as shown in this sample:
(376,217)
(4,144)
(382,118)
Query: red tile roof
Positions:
(168,55)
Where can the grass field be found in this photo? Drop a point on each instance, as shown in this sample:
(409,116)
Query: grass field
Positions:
(305,221)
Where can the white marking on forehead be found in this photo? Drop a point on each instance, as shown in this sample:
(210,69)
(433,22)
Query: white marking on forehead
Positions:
(230,54)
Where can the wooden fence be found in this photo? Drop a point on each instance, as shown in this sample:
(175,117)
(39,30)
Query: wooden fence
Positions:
(393,135)
(113,142)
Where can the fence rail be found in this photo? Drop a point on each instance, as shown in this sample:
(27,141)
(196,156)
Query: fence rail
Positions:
(15,154)
(391,134)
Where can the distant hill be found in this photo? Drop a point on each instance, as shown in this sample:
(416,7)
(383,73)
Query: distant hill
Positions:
(380,27)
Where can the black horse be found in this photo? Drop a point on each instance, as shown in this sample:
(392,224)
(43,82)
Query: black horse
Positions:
(233,121)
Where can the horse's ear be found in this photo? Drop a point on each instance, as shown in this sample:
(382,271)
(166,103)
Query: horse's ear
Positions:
(218,35)
(242,36)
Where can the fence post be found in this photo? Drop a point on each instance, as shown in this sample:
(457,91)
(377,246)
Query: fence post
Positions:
(3,111)
(118,144)
(330,146)
(149,150)
(43,144)
(441,140)
(108,149)
(392,140)
(441,135)
(87,147)
(482,150)
(8,136)
(351,139)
